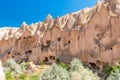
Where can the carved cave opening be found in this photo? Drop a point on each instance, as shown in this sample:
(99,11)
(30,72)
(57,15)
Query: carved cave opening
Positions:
(28,52)
(111,48)
(69,41)
(17,53)
(45,60)
(48,42)
(8,53)
(12,56)
(24,37)
(59,39)
(52,57)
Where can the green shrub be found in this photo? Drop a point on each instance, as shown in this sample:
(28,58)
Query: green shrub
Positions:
(76,72)
(40,63)
(63,65)
(20,61)
(109,70)
(9,75)
(34,77)
(55,72)
(22,76)
(79,72)
(106,69)
(13,66)
(114,75)
(24,65)
(114,68)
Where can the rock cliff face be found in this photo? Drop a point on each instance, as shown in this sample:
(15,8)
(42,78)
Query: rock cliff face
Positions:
(92,34)
(2,75)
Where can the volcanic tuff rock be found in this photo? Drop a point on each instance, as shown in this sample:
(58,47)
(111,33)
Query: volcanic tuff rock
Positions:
(92,34)
(114,5)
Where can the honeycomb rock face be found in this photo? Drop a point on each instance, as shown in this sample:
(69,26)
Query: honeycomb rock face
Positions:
(92,34)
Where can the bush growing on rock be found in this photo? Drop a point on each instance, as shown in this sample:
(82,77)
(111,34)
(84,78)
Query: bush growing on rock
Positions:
(79,72)
(34,77)
(55,72)
(63,65)
(76,72)
(9,75)
(22,76)
(114,72)
(114,75)
(13,66)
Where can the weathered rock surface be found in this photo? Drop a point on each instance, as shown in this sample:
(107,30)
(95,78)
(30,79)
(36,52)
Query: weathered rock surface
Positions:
(114,5)
(92,34)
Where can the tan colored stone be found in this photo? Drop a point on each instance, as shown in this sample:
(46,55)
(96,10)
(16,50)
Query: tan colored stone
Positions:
(92,35)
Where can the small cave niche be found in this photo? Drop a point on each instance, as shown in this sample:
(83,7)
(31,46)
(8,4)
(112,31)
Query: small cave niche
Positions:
(59,39)
(24,37)
(52,57)
(17,53)
(8,53)
(69,41)
(28,52)
(48,42)
(12,56)
(111,48)
(94,67)
(46,60)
